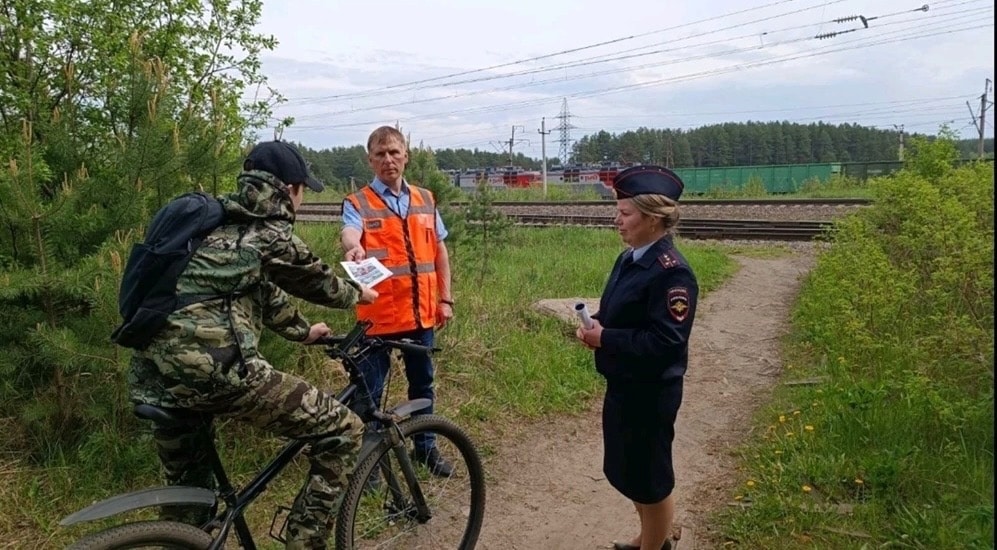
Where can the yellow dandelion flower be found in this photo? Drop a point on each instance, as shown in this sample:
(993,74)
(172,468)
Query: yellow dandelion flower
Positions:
(808,428)
(751,483)
(807,488)
(796,413)
(782,418)
(858,481)
(738,497)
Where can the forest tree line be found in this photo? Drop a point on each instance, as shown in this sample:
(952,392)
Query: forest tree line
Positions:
(728,144)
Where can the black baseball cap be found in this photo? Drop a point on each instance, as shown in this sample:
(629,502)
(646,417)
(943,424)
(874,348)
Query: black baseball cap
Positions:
(648,179)
(282,160)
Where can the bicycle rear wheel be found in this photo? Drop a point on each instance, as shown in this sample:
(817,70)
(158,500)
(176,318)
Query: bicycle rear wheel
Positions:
(379,512)
(146,534)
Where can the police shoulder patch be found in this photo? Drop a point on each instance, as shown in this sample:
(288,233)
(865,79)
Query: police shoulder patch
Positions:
(668,260)
(678,303)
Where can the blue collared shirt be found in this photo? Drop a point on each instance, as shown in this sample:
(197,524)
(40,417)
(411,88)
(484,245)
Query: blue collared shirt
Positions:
(638,252)
(397,203)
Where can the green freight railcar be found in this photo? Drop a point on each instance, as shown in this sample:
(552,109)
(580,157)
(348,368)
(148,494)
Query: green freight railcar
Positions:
(776,178)
(866,170)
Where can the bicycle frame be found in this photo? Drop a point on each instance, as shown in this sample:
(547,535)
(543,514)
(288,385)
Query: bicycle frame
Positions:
(237,501)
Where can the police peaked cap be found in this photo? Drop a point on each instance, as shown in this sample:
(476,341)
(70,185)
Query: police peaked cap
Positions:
(282,160)
(648,180)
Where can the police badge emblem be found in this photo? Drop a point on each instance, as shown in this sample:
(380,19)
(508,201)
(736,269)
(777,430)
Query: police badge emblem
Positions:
(678,303)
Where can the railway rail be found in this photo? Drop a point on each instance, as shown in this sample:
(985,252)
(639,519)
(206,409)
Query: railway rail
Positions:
(755,219)
(336,208)
(690,228)
(750,209)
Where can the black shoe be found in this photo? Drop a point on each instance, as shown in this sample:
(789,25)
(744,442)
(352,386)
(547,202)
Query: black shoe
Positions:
(437,465)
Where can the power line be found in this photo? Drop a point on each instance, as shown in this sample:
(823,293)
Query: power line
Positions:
(967,14)
(888,108)
(555,54)
(847,46)
(734,68)
(602,58)
(796,108)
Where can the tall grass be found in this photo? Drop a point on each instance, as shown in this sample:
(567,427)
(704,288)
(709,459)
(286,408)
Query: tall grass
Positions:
(889,443)
(504,364)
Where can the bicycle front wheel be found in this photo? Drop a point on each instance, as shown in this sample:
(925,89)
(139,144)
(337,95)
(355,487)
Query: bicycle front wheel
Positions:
(146,534)
(380,508)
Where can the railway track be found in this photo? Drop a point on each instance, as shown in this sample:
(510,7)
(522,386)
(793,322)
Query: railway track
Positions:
(336,208)
(690,228)
(754,219)
(754,209)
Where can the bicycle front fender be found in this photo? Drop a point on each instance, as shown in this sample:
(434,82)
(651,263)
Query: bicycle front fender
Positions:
(406,408)
(159,496)
(403,410)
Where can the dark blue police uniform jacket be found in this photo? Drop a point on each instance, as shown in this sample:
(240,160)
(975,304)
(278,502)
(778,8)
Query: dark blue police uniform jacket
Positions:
(646,311)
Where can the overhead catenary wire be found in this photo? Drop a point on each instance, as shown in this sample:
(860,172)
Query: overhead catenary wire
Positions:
(855,44)
(601,58)
(955,18)
(553,54)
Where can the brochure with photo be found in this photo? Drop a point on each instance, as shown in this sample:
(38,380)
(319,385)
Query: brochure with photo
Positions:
(366,272)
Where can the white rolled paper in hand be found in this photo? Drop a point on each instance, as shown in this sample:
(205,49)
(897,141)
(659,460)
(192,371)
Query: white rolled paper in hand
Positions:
(583,314)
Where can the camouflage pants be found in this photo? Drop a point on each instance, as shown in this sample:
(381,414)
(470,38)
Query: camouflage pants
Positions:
(286,406)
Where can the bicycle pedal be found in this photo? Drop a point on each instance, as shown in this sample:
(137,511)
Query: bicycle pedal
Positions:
(279,536)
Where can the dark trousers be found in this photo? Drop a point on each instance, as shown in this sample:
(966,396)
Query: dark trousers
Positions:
(418,373)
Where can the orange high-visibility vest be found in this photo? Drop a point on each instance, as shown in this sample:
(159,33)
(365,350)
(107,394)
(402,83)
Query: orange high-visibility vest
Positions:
(407,246)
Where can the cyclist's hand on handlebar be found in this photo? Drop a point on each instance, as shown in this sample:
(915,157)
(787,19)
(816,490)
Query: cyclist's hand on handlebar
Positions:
(367,294)
(317,331)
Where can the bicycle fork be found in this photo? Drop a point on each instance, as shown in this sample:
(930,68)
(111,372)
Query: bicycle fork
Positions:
(396,442)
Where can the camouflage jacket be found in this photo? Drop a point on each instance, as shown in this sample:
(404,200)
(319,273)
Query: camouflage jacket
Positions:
(256,260)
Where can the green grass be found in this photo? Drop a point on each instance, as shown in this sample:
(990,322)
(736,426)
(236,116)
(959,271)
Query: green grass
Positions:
(504,364)
(888,439)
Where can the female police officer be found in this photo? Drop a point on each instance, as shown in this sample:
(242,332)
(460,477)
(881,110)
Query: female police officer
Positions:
(640,336)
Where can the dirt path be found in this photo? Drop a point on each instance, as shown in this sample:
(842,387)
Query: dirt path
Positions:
(547,490)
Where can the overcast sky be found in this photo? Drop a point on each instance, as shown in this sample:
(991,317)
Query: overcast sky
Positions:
(462,73)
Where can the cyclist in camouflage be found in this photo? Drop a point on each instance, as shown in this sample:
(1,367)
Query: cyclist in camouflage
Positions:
(207,358)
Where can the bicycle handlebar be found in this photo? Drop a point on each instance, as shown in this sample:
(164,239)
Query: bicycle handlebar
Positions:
(358,336)
(410,347)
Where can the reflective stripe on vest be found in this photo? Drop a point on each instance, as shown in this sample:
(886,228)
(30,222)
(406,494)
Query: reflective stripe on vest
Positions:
(407,247)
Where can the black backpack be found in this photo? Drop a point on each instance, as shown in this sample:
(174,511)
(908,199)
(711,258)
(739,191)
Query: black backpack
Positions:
(148,287)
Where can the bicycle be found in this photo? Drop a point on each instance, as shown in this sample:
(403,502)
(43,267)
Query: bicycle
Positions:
(391,500)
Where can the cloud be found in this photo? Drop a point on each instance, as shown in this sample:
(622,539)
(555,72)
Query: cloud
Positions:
(341,75)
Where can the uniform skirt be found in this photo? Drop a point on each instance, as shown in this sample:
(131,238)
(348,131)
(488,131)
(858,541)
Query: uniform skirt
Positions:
(638,427)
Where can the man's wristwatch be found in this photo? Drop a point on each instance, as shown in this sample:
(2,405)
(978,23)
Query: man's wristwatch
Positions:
(447,302)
